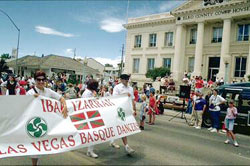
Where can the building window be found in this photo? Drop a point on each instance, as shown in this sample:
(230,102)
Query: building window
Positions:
(152,40)
(167,63)
(217,35)
(137,41)
(169,38)
(243,33)
(191,64)
(193,36)
(136,64)
(240,66)
(151,63)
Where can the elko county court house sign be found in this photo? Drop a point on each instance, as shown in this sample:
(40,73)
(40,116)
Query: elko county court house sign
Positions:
(216,13)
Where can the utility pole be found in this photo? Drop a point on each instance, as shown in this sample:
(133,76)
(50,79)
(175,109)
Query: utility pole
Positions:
(75,53)
(18,37)
(122,59)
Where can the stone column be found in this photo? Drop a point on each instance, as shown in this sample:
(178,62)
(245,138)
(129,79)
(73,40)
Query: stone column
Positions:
(179,53)
(225,47)
(248,64)
(199,50)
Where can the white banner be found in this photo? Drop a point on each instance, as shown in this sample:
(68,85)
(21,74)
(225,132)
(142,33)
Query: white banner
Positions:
(35,126)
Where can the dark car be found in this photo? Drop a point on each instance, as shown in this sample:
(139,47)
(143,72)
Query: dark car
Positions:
(240,93)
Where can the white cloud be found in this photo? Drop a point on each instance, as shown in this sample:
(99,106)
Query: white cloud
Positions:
(69,51)
(112,25)
(50,31)
(104,61)
(169,5)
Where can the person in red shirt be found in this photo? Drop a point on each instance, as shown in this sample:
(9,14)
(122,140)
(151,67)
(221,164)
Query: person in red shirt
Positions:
(136,94)
(21,88)
(152,108)
(210,83)
(199,84)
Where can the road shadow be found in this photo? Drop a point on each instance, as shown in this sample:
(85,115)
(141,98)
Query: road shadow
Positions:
(111,156)
(242,130)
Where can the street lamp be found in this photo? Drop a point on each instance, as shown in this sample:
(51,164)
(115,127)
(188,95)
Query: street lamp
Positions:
(84,74)
(17,50)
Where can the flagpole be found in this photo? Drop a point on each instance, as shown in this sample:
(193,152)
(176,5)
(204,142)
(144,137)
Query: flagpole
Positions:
(125,38)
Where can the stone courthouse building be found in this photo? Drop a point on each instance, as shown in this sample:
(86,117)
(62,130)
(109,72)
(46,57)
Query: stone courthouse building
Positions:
(208,38)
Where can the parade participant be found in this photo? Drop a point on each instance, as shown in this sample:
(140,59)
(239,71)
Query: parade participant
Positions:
(136,93)
(90,91)
(229,123)
(210,83)
(40,89)
(104,92)
(199,84)
(199,106)
(160,103)
(124,88)
(207,112)
(143,111)
(70,93)
(171,86)
(214,108)
(11,85)
(152,109)
(110,92)
(21,90)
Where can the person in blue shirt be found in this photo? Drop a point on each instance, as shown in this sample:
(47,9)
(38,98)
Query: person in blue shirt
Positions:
(199,106)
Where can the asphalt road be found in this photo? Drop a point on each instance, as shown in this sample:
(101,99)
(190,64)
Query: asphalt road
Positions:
(165,143)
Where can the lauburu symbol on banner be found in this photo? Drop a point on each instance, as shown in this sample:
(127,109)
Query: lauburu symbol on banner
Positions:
(121,113)
(37,127)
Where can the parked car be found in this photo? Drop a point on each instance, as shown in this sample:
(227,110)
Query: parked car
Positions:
(240,93)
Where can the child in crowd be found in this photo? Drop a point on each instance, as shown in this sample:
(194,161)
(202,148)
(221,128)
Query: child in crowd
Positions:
(152,108)
(143,111)
(229,123)
(160,105)
(21,89)
(199,106)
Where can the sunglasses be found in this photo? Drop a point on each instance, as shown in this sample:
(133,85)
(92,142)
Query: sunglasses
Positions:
(39,79)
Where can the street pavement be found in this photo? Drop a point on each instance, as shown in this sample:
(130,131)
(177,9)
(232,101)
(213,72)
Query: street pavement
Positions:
(165,143)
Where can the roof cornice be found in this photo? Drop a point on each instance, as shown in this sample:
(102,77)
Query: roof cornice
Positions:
(149,23)
(213,7)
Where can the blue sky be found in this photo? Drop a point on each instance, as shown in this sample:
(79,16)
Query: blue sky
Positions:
(93,27)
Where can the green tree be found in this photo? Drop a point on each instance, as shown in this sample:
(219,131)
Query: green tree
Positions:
(157,72)
(108,65)
(5,56)
(72,79)
(3,67)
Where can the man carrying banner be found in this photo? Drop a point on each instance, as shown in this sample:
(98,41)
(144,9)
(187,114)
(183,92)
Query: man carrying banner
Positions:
(40,89)
(90,91)
(124,88)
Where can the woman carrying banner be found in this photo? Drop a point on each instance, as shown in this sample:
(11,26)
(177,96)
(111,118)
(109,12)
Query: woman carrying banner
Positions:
(40,89)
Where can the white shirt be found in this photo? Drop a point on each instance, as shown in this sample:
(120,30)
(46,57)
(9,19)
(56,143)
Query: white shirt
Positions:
(215,100)
(31,81)
(46,93)
(87,93)
(122,89)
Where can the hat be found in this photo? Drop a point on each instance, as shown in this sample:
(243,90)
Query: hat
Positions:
(22,82)
(124,77)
